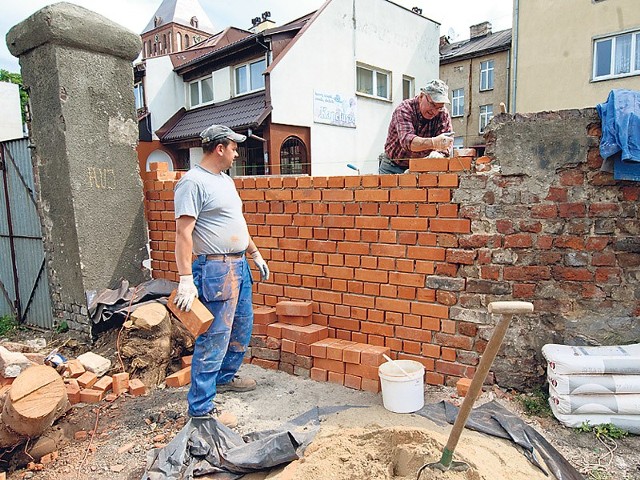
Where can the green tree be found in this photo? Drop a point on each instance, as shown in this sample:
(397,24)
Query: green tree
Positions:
(6,76)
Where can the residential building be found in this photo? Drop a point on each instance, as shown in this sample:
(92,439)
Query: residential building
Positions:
(477,73)
(571,54)
(313,95)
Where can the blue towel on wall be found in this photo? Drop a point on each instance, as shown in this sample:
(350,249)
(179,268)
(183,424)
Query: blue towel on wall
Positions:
(620,116)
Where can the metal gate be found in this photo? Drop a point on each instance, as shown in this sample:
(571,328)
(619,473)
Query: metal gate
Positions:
(24,289)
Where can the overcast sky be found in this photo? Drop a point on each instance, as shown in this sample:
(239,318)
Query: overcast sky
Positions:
(455,16)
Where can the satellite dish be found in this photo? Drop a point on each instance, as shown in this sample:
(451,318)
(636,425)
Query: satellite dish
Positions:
(451,33)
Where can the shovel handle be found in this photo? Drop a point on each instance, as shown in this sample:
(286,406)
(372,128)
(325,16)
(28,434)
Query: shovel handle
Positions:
(507,309)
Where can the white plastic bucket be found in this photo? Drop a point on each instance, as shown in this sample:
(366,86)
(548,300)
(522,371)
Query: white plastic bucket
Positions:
(402,393)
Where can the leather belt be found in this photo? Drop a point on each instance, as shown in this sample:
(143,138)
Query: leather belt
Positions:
(224,256)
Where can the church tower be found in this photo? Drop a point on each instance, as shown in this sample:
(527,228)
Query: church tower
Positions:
(176,26)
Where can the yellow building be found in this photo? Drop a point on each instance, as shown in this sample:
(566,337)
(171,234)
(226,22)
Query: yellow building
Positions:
(477,73)
(572,53)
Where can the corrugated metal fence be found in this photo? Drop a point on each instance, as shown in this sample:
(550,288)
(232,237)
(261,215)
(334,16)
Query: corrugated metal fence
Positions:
(24,289)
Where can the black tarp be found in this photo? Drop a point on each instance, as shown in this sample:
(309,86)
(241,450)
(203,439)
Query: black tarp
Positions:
(206,447)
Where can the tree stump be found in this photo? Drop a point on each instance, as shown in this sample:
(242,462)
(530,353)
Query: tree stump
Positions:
(146,343)
(37,398)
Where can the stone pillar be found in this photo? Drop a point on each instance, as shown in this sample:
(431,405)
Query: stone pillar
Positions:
(77,66)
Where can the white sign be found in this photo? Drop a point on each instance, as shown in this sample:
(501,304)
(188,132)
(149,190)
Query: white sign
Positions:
(334,109)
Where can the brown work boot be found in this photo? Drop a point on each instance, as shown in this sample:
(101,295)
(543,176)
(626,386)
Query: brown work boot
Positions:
(238,384)
(228,419)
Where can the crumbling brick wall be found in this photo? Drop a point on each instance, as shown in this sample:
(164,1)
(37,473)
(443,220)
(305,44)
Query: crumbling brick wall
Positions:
(411,261)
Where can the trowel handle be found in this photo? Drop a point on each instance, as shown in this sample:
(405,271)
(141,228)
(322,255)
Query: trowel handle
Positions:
(507,309)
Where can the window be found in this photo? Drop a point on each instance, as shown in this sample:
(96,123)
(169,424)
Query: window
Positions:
(373,82)
(201,92)
(408,87)
(138,93)
(457,102)
(486,114)
(486,75)
(616,56)
(249,77)
(458,142)
(293,157)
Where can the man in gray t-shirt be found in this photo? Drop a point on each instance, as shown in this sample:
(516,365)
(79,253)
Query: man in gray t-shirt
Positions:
(210,224)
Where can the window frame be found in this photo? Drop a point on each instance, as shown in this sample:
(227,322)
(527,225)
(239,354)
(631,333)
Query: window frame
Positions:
(247,65)
(457,101)
(487,68)
(199,82)
(375,71)
(634,66)
(412,87)
(485,116)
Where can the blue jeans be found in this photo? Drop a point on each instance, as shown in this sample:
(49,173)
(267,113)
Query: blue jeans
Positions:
(225,288)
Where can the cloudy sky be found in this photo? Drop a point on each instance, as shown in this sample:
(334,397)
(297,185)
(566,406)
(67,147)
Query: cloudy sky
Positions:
(455,16)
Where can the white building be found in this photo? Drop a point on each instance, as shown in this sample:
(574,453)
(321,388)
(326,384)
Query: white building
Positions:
(319,90)
(11,118)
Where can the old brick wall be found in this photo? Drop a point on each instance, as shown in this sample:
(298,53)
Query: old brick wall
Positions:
(411,261)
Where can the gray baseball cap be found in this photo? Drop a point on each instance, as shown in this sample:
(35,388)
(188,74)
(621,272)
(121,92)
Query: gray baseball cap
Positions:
(218,132)
(437,90)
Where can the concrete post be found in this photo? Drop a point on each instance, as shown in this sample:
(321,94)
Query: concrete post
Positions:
(77,66)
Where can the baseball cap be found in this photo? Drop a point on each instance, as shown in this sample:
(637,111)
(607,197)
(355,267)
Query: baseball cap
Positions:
(218,132)
(437,90)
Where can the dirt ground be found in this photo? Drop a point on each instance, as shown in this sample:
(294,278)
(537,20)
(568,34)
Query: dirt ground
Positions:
(362,443)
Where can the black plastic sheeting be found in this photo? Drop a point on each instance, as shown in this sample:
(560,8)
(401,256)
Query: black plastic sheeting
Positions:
(108,308)
(493,419)
(206,447)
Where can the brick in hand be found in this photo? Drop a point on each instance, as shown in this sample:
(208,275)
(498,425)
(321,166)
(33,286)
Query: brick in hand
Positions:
(197,320)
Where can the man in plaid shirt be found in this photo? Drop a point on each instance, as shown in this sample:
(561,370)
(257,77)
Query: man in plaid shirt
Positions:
(418,126)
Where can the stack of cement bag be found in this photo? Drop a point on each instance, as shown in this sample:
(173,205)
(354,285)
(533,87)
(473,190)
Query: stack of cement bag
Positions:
(595,384)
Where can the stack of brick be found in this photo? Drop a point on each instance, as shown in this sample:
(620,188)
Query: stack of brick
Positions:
(352,364)
(285,338)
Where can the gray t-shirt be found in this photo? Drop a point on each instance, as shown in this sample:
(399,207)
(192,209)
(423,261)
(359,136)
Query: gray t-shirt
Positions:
(214,201)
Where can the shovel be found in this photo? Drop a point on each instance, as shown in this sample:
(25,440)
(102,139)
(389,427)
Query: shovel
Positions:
(507,309)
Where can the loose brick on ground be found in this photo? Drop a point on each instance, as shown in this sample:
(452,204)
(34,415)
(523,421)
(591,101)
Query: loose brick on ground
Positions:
(264,315)
(186,361)
(120,383)
(180,378)
(293,308)
(304,334)
(136,387)
(88,395)
(462,386)
(87,380)
(104,384)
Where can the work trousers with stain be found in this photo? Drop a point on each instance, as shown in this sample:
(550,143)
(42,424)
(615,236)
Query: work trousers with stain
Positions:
(225,288)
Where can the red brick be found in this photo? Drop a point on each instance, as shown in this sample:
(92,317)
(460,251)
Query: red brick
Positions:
(87,395)
(335,350)
(264,315)
(275,330)
(351,353)
(73,393)
(104,384)
(120,383)
(373,355)
(186,361)
(270,364)
(197,320)
(329,365)
(87,379)
(462,386)
(319,349)
(74,368)
(364,371)
(318,374)
(295,319)
(288,346)
(334,377)
(303,349)
(369,385)
(352,381)
(180,378)
(295,309)
(136,387)
(304,334)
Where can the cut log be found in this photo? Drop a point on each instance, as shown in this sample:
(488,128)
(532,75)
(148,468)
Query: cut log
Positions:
(37,398)
(146,343)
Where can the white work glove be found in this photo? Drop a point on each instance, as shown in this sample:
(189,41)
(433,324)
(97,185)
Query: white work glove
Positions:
(186,294)
(261,265)
(442,143)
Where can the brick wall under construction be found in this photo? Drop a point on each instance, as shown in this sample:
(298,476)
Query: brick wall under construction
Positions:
(410,262)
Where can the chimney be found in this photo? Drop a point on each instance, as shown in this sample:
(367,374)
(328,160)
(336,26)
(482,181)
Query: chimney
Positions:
(261,23)
(444,41)
(479,30)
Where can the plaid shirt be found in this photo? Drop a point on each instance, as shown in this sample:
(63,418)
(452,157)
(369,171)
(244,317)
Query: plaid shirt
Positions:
(407,123)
